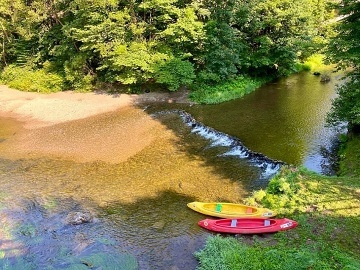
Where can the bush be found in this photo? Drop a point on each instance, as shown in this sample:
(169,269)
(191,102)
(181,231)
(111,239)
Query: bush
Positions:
(221,92)
(314,62)
(27,79)
(283,192)
(175,73)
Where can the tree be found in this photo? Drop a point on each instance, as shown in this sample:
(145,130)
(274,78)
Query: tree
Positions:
(136,42)
(282,31)
(260,37)
(175,73)
(344,50)
(131,41)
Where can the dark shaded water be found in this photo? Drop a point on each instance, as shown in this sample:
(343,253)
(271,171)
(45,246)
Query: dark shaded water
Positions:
(139,206)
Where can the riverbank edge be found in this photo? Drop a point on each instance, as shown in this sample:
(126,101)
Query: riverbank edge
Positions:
(327,209)
(38,109)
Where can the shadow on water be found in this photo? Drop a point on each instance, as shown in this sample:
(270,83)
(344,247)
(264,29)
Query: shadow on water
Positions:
(226,154)
(161,231)
(40,234)
(151,233)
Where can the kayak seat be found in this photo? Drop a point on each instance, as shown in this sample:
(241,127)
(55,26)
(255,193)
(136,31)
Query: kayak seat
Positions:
(266,222)
(233,223)
(218,207)
(248,210)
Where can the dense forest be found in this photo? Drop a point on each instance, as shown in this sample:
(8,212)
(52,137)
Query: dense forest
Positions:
(172,43)
(209,46)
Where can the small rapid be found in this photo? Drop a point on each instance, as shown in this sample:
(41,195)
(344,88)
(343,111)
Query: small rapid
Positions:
(233,146)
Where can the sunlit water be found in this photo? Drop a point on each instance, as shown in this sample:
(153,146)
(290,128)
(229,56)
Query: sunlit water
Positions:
(139,206)
(284,120)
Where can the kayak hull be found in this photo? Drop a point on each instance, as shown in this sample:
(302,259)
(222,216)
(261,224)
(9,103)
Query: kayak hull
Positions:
(230,210)
(248,225)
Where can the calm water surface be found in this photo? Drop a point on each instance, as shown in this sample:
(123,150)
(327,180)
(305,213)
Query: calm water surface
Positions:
(139,206)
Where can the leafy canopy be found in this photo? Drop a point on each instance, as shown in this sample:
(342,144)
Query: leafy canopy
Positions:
(344,49)
(174,43)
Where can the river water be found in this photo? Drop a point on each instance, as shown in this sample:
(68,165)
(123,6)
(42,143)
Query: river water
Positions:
(140,219)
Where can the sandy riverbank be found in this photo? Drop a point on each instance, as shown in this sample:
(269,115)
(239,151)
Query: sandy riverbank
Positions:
(80,126)
(38,110)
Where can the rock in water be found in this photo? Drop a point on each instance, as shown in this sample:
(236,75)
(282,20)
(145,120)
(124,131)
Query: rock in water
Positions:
(77,218)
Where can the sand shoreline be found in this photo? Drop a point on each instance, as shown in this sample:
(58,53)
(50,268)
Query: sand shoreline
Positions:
(39,110)
(83,127)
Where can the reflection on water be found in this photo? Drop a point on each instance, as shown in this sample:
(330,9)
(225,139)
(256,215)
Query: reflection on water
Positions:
(283,120)
(139,205)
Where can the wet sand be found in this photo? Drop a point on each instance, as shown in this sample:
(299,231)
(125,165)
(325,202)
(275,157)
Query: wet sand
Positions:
(84,127)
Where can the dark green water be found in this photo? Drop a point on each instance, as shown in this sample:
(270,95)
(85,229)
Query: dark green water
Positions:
(284,120)
(139,206)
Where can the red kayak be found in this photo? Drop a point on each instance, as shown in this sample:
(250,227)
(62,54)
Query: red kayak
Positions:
(248,225)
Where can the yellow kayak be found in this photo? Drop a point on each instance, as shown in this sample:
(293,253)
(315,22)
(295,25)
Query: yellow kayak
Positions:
(230,210)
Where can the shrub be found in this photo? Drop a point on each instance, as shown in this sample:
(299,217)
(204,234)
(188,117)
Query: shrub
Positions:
(175,73)
(314,62)
(225,91)
(27,79)
(75,76)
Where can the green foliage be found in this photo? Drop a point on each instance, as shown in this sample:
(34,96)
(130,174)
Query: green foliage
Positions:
(231,89)
(349,157)
(283,193)
(223,49)
(344,50)
(298,190)
(75,76)
(314,62)
(346,106)
(175,73)
(27,79)
(227,253)
(133,42)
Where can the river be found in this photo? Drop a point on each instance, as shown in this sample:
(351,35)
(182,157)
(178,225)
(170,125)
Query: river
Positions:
(140,219)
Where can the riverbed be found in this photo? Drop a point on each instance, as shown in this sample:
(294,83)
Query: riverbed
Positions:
(134,170)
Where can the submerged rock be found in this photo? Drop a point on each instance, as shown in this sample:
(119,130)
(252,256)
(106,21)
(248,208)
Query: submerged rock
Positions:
(77,218)
(325,78)
(159,225)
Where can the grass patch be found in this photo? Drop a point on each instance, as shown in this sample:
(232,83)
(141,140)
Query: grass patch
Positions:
(229,90)
(327,210)
(350,157)
(231,253)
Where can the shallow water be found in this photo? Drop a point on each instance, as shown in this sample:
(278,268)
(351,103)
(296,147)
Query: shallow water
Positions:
(139,205)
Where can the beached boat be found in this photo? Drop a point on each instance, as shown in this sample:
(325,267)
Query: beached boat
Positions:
(230,210)
(248,225)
